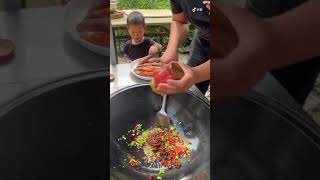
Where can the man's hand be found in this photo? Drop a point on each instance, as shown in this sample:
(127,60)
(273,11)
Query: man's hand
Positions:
(264,45)
(235,73)
(169,56)
(179,86)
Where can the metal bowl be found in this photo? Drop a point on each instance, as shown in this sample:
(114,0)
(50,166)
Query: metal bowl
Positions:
(138,104)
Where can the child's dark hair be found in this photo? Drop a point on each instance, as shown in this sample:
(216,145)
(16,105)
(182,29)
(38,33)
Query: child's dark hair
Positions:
(135,18)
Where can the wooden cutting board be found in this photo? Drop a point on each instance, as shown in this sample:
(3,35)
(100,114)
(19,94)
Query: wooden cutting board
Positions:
(152,13)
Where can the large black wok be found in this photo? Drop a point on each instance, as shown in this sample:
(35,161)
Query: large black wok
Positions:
(256,138)
(138,104)
(56,131)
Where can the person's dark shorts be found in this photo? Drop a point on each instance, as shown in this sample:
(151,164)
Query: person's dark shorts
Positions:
(297,79)
(199,54)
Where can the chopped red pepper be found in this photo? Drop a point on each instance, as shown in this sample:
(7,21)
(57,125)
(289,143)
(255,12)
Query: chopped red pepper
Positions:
(167,146)
(131,136)
(133,163)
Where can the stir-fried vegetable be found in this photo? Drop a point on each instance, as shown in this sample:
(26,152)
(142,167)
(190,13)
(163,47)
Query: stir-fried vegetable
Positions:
(163,146)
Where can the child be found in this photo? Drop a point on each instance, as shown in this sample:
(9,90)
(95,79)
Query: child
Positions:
(138,46)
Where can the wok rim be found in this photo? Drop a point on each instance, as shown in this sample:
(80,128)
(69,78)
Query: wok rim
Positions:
(193,94)
(46,86)
(298,119)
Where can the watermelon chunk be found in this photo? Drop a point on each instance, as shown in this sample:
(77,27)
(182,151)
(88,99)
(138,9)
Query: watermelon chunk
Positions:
(174,71)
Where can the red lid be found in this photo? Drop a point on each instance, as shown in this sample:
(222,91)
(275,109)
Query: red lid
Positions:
(7,49)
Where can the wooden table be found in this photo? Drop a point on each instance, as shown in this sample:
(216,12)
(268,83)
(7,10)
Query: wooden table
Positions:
(122,22)
(152,17)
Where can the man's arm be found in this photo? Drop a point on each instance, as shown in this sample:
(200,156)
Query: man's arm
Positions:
(178,33)
(264,45)
(296,34)
(202,72)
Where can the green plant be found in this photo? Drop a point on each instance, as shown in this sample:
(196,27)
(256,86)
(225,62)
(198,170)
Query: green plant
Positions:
(143,4)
